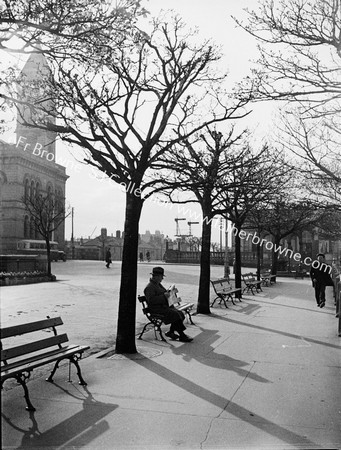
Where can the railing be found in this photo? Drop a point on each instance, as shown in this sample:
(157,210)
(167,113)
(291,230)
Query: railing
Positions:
(336,275)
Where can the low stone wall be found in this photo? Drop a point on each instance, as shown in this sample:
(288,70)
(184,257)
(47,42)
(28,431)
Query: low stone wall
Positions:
(23,263)
(15,281)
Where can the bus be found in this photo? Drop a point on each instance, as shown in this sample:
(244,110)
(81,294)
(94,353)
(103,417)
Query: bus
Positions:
(38,247)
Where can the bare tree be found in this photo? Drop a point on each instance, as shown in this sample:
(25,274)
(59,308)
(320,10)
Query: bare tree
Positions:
(300,61)
(47,212)
(78,30)
(284,216)
(200,167)
(126,112)
(318,152)
(259,176)
(61,28)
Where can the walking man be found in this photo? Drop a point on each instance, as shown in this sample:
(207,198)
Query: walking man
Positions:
(108,258)
(321,278)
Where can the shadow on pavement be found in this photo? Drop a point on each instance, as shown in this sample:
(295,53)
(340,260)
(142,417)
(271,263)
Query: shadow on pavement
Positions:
(209,357)
(77,431)
(231,407)
(272,330)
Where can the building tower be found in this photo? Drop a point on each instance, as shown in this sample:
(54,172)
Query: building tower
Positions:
(28,166)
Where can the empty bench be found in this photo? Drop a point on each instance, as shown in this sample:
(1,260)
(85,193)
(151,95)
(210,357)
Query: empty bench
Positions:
(18,361)
(224,291)
(156,320)
(267,278)
(251,283)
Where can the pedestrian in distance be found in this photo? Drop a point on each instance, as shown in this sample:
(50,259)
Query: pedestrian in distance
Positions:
(108,258)
(157,300)
(148,256)
(141,257)
(320,277)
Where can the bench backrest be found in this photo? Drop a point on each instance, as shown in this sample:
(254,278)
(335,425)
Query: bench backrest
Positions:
(266,272)
(142,299)
(248,276)
(221,283)
(16,351)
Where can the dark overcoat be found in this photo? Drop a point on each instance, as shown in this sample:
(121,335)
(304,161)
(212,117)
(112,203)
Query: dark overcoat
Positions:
(158,303)
(322,274)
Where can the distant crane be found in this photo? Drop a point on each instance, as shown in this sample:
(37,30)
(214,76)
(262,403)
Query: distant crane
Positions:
(177,232)
(190,227)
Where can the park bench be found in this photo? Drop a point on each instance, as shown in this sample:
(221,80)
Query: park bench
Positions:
(300,272)
(156,320)
(224,291)
(267,278)
(18,361)
(251,283)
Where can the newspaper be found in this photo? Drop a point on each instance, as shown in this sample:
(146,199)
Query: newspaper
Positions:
(173,298)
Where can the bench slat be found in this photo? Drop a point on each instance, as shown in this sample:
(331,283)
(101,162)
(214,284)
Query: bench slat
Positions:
(20,350)
(46,358)
(17,330)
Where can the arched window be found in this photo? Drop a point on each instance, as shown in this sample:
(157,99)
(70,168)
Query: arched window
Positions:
(32,193)
(32,229)
(37,189)
(27,189)
(26,227)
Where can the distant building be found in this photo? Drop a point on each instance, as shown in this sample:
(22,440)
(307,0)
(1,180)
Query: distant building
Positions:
(96,248)
(27,166)
(307,243)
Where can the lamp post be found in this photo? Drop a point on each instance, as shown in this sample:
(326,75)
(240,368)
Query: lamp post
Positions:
(226,255)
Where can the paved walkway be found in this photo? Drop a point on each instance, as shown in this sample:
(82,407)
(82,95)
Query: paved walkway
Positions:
(264,374)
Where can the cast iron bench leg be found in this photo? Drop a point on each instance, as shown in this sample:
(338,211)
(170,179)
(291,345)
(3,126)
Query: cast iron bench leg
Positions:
(21,379)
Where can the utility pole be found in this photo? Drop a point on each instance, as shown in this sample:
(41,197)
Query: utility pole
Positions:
(72,236)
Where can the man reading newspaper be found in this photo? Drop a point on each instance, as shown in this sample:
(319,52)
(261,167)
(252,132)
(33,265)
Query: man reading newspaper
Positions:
(161,301)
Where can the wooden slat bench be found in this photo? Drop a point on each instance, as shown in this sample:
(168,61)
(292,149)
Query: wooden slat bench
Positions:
(224,291)
(251,283)
(18,361)
(267,278)
(156,320)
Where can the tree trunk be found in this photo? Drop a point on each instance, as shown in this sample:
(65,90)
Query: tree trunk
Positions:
(277,241)
(238,259)
(203,306)
(126,323)
(258,253)
(48,255)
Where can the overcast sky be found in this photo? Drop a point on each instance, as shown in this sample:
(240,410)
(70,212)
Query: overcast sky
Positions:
(97,201)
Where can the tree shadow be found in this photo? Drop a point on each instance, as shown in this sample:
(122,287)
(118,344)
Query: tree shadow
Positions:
(77,431)
(207,356)
(231,407)
(272,330)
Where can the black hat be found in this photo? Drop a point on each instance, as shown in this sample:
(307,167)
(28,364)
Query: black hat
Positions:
(158,271)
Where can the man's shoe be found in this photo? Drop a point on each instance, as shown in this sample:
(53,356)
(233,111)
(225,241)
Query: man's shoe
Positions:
(185,338)
(322,304)
(171,335)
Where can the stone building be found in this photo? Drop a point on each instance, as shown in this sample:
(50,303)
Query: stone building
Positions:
(27,166)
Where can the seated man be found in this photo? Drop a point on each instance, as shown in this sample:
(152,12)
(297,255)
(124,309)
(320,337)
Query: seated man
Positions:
(157,300)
